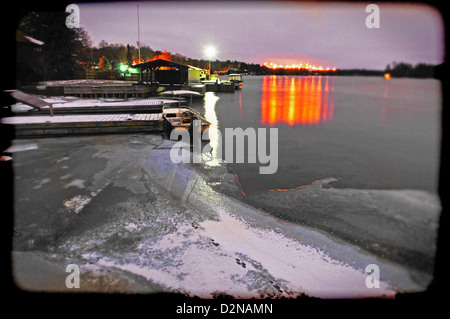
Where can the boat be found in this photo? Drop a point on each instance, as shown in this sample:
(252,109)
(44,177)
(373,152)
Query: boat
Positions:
(236,79)
(182,118)
(178,94)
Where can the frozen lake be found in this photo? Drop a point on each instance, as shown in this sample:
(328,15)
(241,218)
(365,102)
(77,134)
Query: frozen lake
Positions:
(356,185)
(375,142)
(368,132)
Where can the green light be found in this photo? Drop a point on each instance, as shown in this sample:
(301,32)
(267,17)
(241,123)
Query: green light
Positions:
(123,67)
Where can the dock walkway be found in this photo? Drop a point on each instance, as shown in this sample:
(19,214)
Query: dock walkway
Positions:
(40,126)
(139,106)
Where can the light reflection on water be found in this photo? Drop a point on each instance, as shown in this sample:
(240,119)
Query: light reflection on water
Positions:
(368,132)
(210,101)
(296,100)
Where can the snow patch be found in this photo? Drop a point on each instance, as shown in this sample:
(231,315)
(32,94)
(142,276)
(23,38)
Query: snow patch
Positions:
(77,203)
(232,257)
(76,183)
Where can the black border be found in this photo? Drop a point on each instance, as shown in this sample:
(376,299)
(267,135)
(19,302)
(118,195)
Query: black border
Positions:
(163,305)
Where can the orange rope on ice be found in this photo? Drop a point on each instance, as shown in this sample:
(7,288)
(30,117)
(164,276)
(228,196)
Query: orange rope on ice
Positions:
(240,186)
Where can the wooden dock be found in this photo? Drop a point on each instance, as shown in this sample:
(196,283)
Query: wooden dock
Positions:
(132,107)
(104,89)
(110,91)
(46,126)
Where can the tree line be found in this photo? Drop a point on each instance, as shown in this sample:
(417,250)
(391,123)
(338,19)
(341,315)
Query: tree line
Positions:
(110,56)
(420,70)
(67,51)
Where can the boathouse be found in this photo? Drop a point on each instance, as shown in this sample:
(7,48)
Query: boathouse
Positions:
(163,72)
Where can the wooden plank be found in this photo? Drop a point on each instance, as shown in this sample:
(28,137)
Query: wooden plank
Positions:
(29,99)
(36,126)
(46,120)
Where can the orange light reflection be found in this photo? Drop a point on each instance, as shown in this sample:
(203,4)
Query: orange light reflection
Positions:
(296,100)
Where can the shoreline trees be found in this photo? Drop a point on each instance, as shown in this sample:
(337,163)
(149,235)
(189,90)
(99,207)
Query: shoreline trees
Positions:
(66,51)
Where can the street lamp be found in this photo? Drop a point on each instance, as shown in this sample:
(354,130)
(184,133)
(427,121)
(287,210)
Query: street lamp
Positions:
(210,52)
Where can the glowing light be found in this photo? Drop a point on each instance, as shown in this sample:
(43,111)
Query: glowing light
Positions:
(123,67)
(210,51)
(164,55)
(387,76)
(300,66)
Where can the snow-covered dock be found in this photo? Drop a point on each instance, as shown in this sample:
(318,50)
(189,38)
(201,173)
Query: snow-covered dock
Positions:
(29,104)
(98,107)
(39,126)
(38,116)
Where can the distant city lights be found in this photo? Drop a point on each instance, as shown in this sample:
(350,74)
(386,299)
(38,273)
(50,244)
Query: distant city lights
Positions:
(300,66)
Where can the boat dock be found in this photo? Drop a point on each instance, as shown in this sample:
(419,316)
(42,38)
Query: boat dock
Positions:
(139,110)
(79,117)
(135,107)
(46,126)
(93,89)
(110,91)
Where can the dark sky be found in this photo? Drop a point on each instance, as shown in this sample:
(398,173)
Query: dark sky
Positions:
(329,34)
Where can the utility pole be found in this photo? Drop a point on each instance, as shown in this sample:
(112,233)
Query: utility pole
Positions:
(139,43)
